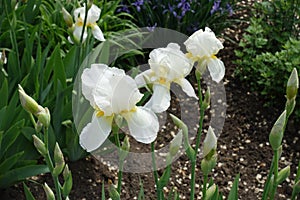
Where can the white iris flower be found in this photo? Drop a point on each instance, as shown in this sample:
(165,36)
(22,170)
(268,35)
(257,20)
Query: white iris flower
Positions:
(111,92)
(167,65)
(91,21)
(202,46)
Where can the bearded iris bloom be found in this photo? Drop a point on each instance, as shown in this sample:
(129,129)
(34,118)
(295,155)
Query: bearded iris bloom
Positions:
(91,22)
(167,65)
(202,46)
(111,92)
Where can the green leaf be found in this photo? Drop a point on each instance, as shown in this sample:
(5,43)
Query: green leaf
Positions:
(4,93)
(10,136)
(19,174)
(8,163)
(70,61)
(233,195)
(164,179)
(141,195)
(28,194)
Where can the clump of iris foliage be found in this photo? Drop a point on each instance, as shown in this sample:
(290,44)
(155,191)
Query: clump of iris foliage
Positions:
(36,53)
(270,49)
(185,16)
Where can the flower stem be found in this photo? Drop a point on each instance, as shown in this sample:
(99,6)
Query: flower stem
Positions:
(198,140)
(121,164)
(158,189)
(51,166)
(205,178)
(273,189)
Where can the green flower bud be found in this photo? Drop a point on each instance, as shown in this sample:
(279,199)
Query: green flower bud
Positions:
(289,106)
(66,172)
(208,164)
(206,101)
(67,17)
(39,145)
(38,127)
(28,103)
(58,160)
(190,152)
(210,192)
(210,142)
(44,117)
(125,148)
(67,186)
(113,193)
(276,134)
(175,144)
(89,4)
(292,85)
(49,192)
(283,174)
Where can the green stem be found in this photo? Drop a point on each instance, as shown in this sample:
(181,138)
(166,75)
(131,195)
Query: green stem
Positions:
(267,186)
(205,178)
(158,189)
(84,22)
(51,166)
(120,173)
(198,140)
(32,120)
(273,191)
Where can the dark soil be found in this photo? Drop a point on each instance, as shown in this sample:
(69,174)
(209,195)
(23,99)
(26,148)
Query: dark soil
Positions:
(242,147)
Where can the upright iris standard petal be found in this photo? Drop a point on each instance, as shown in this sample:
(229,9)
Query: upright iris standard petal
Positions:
(167,65)
(143,124)
(95,133)
(202,46)
(111,92)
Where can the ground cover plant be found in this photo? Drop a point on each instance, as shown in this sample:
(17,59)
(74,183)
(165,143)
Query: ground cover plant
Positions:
(51,44)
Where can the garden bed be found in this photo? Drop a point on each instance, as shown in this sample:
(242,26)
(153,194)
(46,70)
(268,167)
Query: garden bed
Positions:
(242,148)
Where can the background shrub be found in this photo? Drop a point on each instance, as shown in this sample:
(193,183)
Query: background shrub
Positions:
(270,48)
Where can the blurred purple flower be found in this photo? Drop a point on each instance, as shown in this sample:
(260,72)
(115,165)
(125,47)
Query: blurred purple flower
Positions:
(171,9)
(185,7)
(123,8)
(138,4)
(229,9)
(216,7)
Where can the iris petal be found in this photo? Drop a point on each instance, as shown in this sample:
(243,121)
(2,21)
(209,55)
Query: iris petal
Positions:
(143,125)
(95,133)
(160,100)
(216,69)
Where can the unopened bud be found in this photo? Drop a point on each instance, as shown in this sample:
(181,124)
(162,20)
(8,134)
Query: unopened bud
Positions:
(198,74)
(210,192)
(210,142)
(283,174)
(58,160)
(66,172)
(208,164)
(39,145)
(292,85)
(44,117)
(28,103)
(67,17)
(125,148)
(49,192)
(276,134)
(38,127)
(176,143)
(290,106)
(206,101)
